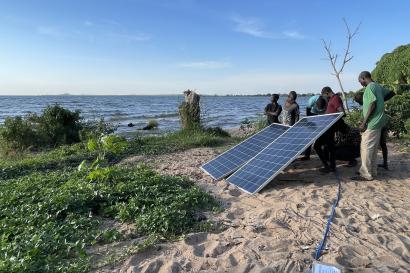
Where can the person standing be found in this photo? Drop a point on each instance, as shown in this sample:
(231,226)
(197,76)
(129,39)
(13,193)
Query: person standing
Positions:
(374,119)
(273,110)
(316,105)
(290,111)
(327,156)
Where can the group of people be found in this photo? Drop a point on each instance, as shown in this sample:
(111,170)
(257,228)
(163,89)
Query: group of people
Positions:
(340,141)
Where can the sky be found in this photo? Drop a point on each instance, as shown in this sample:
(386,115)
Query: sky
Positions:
(152,47)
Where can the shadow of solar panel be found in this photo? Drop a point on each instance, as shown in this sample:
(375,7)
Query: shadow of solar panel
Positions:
(267,164)
(229,161)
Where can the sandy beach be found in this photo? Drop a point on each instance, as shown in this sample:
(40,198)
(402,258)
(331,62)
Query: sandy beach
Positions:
(278,229)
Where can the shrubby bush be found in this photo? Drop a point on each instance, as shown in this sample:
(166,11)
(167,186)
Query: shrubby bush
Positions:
(18,134)
(55,126)
(398,108)
(354,117)
(393,70)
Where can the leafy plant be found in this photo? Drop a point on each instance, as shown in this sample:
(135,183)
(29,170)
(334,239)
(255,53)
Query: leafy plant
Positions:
(104,145)
(393,69)
(55,126)
(354,118)
(18,134)
(398,108)
(47,220)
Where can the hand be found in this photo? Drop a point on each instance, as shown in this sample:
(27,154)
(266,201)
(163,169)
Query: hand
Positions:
(362,127)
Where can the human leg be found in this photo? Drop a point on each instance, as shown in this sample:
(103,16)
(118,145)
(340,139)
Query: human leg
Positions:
(319,148)
(368,153)
(383,146)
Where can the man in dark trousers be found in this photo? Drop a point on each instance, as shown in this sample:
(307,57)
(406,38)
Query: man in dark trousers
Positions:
(273,110)
(327,156)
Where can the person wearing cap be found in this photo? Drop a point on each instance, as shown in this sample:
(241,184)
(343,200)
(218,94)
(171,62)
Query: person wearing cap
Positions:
(273,110)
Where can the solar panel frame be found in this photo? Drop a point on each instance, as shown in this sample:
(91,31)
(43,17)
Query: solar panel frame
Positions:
(241,143)
(290,160)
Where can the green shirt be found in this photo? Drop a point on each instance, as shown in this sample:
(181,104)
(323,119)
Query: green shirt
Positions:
(374,92)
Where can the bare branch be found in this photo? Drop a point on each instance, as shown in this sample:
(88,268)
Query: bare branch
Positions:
(346,57)
(350,36)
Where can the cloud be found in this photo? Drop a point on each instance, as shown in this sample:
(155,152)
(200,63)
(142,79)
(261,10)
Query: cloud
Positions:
(294,35)
(205,65)
(256,28)
(51,31)
(250,26)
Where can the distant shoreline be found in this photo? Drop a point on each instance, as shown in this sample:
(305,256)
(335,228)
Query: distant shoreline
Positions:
(165,95)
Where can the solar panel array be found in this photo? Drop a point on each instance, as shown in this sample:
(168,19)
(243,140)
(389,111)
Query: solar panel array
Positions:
(231,160)
(267,164)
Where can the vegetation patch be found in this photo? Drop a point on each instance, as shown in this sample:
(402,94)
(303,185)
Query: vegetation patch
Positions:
(47,220)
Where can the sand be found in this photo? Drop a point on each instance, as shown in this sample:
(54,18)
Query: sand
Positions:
(278,229)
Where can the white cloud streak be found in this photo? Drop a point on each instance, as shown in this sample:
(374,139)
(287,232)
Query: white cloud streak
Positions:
(250,26)
(256,28)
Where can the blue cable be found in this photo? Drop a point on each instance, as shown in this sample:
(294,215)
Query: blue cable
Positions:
(319,249)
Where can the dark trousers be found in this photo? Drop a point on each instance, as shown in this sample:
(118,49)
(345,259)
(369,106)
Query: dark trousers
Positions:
(325,148)
(345,152)
(325,145)
(308,151)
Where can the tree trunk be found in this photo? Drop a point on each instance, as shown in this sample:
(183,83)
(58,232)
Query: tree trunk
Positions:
(189,111)
(346,106)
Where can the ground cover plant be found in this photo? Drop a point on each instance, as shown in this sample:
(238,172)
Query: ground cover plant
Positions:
(54,202)
(47,220)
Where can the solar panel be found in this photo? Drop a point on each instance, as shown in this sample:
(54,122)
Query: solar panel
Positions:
(229,161)
(267,164)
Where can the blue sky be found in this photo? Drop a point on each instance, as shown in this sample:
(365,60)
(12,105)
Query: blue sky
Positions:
(164,47)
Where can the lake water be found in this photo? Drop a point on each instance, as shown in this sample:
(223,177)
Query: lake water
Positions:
(224,111)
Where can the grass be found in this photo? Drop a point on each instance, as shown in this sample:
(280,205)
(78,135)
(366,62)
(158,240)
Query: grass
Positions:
(50,213)
(70,156)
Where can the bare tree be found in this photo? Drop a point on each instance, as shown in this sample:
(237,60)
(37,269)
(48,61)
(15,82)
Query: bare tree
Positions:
(346,58)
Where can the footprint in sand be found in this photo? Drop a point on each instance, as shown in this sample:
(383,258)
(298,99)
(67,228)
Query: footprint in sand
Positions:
(353,257)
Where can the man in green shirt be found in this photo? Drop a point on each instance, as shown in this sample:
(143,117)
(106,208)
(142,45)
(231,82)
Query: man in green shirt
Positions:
(374,119)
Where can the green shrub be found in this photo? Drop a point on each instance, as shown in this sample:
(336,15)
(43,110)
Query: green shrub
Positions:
(393,69)
(94,129)
(54,127)
(18,134)
(57,125)
(407,125)
(353,118)
(398,108)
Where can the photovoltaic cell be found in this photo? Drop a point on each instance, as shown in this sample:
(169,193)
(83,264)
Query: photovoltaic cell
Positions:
(267,164)
(229,161)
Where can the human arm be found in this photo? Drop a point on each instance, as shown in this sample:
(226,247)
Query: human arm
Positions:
(295,114)
(278,111)
(389,95)
(340,108)
(372,107)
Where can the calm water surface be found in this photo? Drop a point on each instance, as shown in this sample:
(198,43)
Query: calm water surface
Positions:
(224,111)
